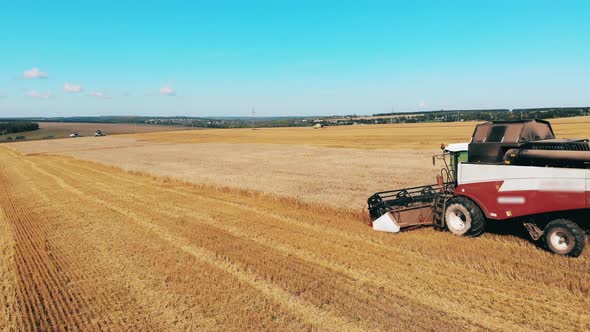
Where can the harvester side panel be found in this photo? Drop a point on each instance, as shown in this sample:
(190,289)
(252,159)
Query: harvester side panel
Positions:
(505,192)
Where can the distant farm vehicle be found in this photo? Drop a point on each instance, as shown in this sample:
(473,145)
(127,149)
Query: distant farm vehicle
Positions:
(98,133)
(74,134)
(509,172)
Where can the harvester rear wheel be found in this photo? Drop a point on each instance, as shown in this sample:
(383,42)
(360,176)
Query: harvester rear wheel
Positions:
(463,217)
(564,237)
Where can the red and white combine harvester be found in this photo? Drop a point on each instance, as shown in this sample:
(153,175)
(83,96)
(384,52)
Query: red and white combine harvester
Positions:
(509,172)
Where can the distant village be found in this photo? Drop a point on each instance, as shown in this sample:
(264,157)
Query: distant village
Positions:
(316,121)
(381,118)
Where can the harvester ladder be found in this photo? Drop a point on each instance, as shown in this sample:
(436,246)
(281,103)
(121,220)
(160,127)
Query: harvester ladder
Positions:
(438,211)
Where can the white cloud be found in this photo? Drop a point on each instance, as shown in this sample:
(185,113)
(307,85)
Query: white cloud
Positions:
(34,73)
(167,90)
(422,104)
(72,88)
(39,95)
(98,94)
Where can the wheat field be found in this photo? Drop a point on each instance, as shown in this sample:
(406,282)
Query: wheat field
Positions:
(393,136)
(93,246)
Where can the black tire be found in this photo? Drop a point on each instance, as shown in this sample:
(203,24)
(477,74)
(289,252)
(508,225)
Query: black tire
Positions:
(472,221)
(564,237)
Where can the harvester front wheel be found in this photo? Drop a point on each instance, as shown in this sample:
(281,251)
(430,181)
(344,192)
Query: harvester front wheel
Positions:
(463,217)
(564,237)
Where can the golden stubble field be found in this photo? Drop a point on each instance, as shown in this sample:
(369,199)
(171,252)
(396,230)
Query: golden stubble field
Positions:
(93,247)
(300,163)
(423,136)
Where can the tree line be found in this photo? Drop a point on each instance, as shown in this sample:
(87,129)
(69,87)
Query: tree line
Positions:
(17,127)
(487,114)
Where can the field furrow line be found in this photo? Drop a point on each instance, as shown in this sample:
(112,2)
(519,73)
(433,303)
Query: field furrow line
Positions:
(363,277)
(449,305)
(99,299)
(258,236)
(310,272)
(31,266)
(25,257)
(321,267)
(310,313)
(48,273)
(58,263)
(507,296)
(84,203)
(10,317)
(326,234)
(529,266)
(44,281)
(83,301)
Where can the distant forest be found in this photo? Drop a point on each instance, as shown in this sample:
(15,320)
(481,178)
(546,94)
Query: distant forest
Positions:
(488,114)
(19,124)
(17,127)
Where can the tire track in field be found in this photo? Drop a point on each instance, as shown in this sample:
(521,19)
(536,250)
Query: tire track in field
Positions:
(258,237)
(329,233)
(309,313)
(131,254)
(175,208)
(529,266)
(349,287)
(9,313)
(352,291)
(115,192)
(176,223)
(285,319)
(48,292)
(42,289)
(94,301)
(238,235)
(100,299)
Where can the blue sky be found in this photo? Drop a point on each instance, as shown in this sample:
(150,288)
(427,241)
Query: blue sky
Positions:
(211,58)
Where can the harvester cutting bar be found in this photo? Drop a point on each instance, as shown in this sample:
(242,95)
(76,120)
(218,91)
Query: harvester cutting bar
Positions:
(385,201)
(402,208)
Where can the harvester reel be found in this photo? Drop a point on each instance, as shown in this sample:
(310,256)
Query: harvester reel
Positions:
(428,191)
(404,197)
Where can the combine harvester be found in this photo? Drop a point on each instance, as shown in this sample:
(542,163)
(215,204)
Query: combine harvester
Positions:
(509,172)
